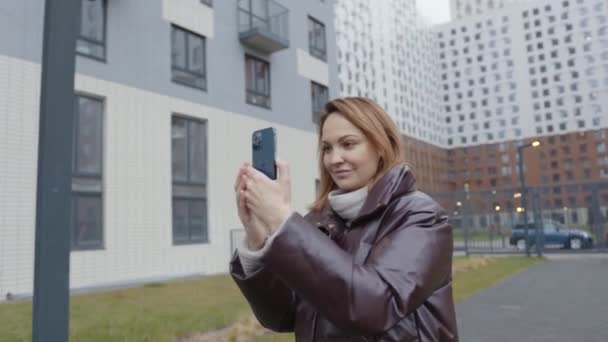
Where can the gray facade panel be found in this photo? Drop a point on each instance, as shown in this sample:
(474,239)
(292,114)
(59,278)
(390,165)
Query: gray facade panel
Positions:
(138,55)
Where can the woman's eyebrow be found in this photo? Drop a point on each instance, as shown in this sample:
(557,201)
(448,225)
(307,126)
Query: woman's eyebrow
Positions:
(342,138)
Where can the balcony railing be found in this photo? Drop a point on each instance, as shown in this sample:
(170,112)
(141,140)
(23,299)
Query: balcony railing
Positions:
(263,25)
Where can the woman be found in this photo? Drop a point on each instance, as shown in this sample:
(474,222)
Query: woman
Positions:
(370,262)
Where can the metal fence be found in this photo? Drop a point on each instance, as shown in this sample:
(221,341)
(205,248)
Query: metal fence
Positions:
(544,219)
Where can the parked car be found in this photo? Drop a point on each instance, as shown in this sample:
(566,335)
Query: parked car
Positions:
(554,234)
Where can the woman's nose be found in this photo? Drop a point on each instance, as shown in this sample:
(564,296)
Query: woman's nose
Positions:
(336,157)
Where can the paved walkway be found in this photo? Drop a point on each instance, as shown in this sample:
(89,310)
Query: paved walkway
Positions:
(563,299)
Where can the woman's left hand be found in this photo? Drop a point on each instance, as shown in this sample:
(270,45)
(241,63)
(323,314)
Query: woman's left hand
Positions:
(268,199)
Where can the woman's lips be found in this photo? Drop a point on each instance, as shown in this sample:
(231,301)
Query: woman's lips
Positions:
(342,174)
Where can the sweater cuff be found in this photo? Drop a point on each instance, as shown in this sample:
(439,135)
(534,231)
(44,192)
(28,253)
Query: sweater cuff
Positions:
(251,260)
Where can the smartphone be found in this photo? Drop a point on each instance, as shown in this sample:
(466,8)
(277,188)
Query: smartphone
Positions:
(264,149)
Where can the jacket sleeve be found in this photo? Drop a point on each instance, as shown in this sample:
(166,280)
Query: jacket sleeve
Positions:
(272,302)
(404,267)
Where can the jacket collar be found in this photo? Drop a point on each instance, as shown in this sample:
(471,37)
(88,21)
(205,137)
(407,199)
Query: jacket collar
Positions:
(396,182)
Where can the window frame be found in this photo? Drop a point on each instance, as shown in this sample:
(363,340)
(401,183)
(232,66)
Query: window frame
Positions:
(186,70)
(255,92)
(87,177)
(317,114)
(103,43)
(314,50)
(192,185)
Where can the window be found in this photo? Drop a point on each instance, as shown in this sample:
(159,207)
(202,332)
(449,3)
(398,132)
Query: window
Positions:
(87,174)
(189,174)
(320,96)
(257,76)
(207,2)
(188,58)
(91,40)
(316,39)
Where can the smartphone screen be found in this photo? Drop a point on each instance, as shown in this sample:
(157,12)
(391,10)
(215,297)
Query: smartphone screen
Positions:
(264,146)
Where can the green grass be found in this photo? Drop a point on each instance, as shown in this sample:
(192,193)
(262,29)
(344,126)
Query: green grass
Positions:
(482,235)
(154,312)
(161,312)
(470,281)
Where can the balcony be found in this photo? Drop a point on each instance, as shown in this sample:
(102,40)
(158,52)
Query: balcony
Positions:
(263,25)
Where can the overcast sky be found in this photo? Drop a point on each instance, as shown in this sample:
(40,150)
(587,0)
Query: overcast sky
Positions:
(434,11)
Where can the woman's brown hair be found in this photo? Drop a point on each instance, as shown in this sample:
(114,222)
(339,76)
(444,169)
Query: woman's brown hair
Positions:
(376,125)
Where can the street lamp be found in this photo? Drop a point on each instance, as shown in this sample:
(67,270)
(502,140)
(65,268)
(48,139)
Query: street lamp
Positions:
(498,225)
(523,190)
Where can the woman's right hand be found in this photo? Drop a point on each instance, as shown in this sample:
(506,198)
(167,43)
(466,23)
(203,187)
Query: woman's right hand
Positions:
(254,228)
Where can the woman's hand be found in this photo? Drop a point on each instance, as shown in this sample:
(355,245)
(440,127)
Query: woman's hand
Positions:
(267,199)
(256,231)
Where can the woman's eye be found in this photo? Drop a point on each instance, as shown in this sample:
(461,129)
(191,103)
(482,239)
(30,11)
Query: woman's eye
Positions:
(349,144)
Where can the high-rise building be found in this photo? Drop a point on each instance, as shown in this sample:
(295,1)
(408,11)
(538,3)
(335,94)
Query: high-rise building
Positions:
(167,96)
(386,54)
(536,70)
(532,69)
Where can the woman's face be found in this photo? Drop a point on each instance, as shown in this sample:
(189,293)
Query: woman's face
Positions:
(348,155)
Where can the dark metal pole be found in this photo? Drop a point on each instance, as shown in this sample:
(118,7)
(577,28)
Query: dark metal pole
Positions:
(596,217)
(51,263)
(538,223)
(523,193)
(466,218)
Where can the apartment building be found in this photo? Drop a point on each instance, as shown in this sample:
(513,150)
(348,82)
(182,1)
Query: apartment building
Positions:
(532,71)
(168,93)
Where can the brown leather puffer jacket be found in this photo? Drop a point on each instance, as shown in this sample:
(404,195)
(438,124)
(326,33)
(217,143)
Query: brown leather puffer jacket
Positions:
(386,278)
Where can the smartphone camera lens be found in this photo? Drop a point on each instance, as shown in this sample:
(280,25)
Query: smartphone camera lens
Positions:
(257,139)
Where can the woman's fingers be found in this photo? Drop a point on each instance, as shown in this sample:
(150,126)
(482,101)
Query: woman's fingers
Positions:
(283,168)
(255,174)
(242,171)
(239,201)
(284,179)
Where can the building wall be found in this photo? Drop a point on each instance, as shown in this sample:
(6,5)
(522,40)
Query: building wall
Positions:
(137,183)
(560,160)
(429,164)
(138,47)
(139,99)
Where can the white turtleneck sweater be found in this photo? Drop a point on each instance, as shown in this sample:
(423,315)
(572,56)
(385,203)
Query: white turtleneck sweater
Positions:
(346,204)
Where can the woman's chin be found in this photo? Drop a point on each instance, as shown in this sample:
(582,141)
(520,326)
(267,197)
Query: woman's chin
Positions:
(346,185)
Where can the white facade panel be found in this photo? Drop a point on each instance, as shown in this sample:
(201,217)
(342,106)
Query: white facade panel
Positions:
(190,14)
(137,182)
(312,68)
(19,100)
